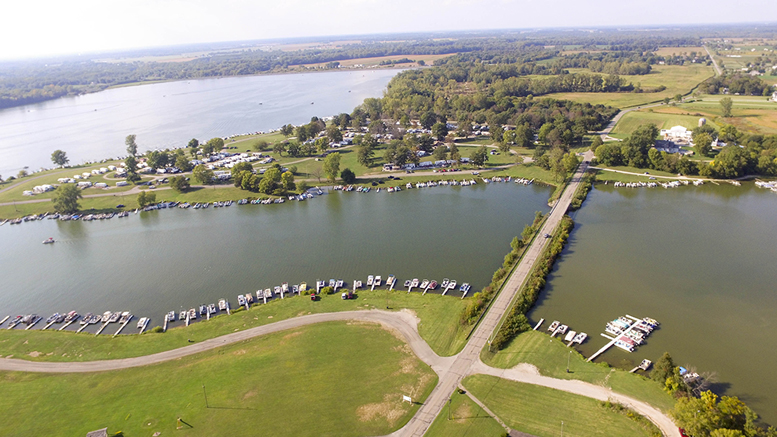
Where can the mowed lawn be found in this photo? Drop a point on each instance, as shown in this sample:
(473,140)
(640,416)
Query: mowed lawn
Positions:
(540,410)
(663,120)
(550,356)
(439,326)
(344,379)
(463,417)
(676,78)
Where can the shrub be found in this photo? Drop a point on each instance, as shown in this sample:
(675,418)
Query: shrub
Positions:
(157,330)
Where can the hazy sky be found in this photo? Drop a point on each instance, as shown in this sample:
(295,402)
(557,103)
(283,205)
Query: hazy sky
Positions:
(43,27)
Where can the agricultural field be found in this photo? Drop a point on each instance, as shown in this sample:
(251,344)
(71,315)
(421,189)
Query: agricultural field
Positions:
(677,51)
(338,378)
(678,79)
(550,358)
(541,411)
(663,120)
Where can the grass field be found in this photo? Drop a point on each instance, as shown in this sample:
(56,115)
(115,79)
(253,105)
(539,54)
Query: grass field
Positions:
(466,419)
(663,120)
(754,114)
(540,411)
(368,62)
(550,357)
(335,378)
(677,79)
(439,326)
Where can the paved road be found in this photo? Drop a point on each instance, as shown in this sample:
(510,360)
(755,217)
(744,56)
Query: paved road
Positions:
(714,62)
(403,322)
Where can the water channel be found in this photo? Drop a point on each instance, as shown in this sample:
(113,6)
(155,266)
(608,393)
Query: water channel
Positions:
(159,261)
(700,260)
(165,115)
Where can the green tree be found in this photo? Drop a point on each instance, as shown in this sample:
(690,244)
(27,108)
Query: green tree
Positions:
(287,130)
(524,136)
(428,119)
(132,147)
(293,148)
(440,130)
(332,166)
(65,198)
(213,145)
(146,198)
(59,157)
(348,176)
(440,153)
(279,148)
(287,181)
(157,159)
(131,164)
(303,133)
(334,134)
(480,156)
(193,143)
(597,141)
(497,133)
(238,171)
(678,97)
(364,155)
(322,145)
(182,163)
(203,174)
(22,173)
(454,153)
(726,103)
(179,184)
(260,146)
(703,144)
(729,134)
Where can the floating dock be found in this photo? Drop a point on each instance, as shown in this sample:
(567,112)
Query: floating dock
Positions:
(123,325)
(537,326)
(612,340)
(68,324)
(105,325)
(79,329)
(4,319)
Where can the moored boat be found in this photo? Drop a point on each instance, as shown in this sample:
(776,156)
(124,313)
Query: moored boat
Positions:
(223,304)
(142,323)
(424,283)
(553,326)
(445,282)
(370,279)
(433,285)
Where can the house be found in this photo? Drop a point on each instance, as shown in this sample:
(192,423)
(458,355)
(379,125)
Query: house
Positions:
(677,134)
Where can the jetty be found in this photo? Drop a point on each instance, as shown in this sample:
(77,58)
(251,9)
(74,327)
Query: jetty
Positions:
(32,323)
(48,325)
(644,365)
(228,310)
(118,331)
(4,319)
(164,328)
(614,340)
(537,326)
(79,329)
(101,328)
(68,323)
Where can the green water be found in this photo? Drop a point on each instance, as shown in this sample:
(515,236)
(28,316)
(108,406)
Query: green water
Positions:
(700,260)
(159,261)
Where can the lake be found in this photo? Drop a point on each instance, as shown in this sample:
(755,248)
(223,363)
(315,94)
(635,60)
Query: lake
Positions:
(700,260)
(166,115)
(158,261)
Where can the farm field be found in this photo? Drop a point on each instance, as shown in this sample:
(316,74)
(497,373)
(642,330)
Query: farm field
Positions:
(677,79)
(336,378)
(540,411)
(663,120)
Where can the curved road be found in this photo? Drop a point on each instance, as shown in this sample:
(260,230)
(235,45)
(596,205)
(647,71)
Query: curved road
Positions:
(402,322)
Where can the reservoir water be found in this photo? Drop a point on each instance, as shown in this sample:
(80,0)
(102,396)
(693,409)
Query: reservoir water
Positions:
(700,260)
(165,115)
(159,261)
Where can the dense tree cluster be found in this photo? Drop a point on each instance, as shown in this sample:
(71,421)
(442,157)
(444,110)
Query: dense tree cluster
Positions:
(743,84)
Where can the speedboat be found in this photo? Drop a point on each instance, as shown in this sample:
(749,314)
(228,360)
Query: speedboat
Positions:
(415,282)
(332,283)
(295,289)
(424,283)
(433,285)
(86,319)
(212,308)
(222,304)
(452,284)
(192,314)
(71,316)
(277,290)
(114,317)
(377,281)
(125,317)
(170,316)
(183,314)
(370,279)
(50,240)
(203,310)
(106,317)
(142,323)
(303,287)
(339,283)
(408,283)
(285,287)
(445,283)
(553,326)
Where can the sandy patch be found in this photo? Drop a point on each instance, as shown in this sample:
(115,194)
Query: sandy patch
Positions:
(34,354)
(288,337)
(390,409)
(240,352)
(250,394)
(527,368)
(462,413)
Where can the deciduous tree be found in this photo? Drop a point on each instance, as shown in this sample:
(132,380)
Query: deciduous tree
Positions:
(65,198)
(59,157)
(132,147)
(332,166)
(203,174)
(179,184)
(726,103)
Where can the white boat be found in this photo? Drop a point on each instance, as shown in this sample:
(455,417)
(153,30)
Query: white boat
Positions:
(553,326)
(267,293)
(303,287)
(377,281)
(415,282)
(391,280)
(562,329)
(295,289)
(570,336)
(182,316)
(339,283)
(170,316)
(142,323)
(106,316)
(370,279)
(452,284)
(285,287)
(445,282)
(241,300)
(580,338)
(424,283)
(212,309)
(222,304)
(50,240)
(357,284)
(125,317)
(277,290)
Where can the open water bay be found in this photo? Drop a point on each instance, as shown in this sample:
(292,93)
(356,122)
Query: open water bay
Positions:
(158,261)
(165,115)
(700,260)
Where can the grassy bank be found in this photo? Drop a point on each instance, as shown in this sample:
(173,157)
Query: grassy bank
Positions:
(550,356)
(540,411)
(439,326)
(288,383)
(463,417)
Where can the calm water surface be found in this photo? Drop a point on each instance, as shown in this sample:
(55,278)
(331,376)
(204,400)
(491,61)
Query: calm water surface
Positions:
(164,115)
(700,260)
(159,261)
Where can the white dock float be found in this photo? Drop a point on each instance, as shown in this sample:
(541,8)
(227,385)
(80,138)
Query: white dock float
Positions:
(464,295)
(611,343)
(164,328)
(81,328)
(4,319)
(228,311)
(68,324)
(537,326)
(105,325)
(32,324)
(118,331)
(48,325)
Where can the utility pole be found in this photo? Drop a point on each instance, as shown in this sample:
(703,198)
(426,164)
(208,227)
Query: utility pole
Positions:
(568,358)
(562,428)
(206,396)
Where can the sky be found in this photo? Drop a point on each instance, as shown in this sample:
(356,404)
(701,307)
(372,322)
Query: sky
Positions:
(34,28)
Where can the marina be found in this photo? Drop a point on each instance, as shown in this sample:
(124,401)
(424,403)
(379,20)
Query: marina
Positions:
(626,332)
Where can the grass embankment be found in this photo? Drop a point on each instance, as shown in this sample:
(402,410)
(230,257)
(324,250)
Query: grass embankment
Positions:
(678,79)
(439,326)
(540,410)
(466,419)
(550,356)
(663,120)
(333,378)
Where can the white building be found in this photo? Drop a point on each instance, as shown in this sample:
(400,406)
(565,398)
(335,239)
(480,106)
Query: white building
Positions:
(677,133)
(774,96)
